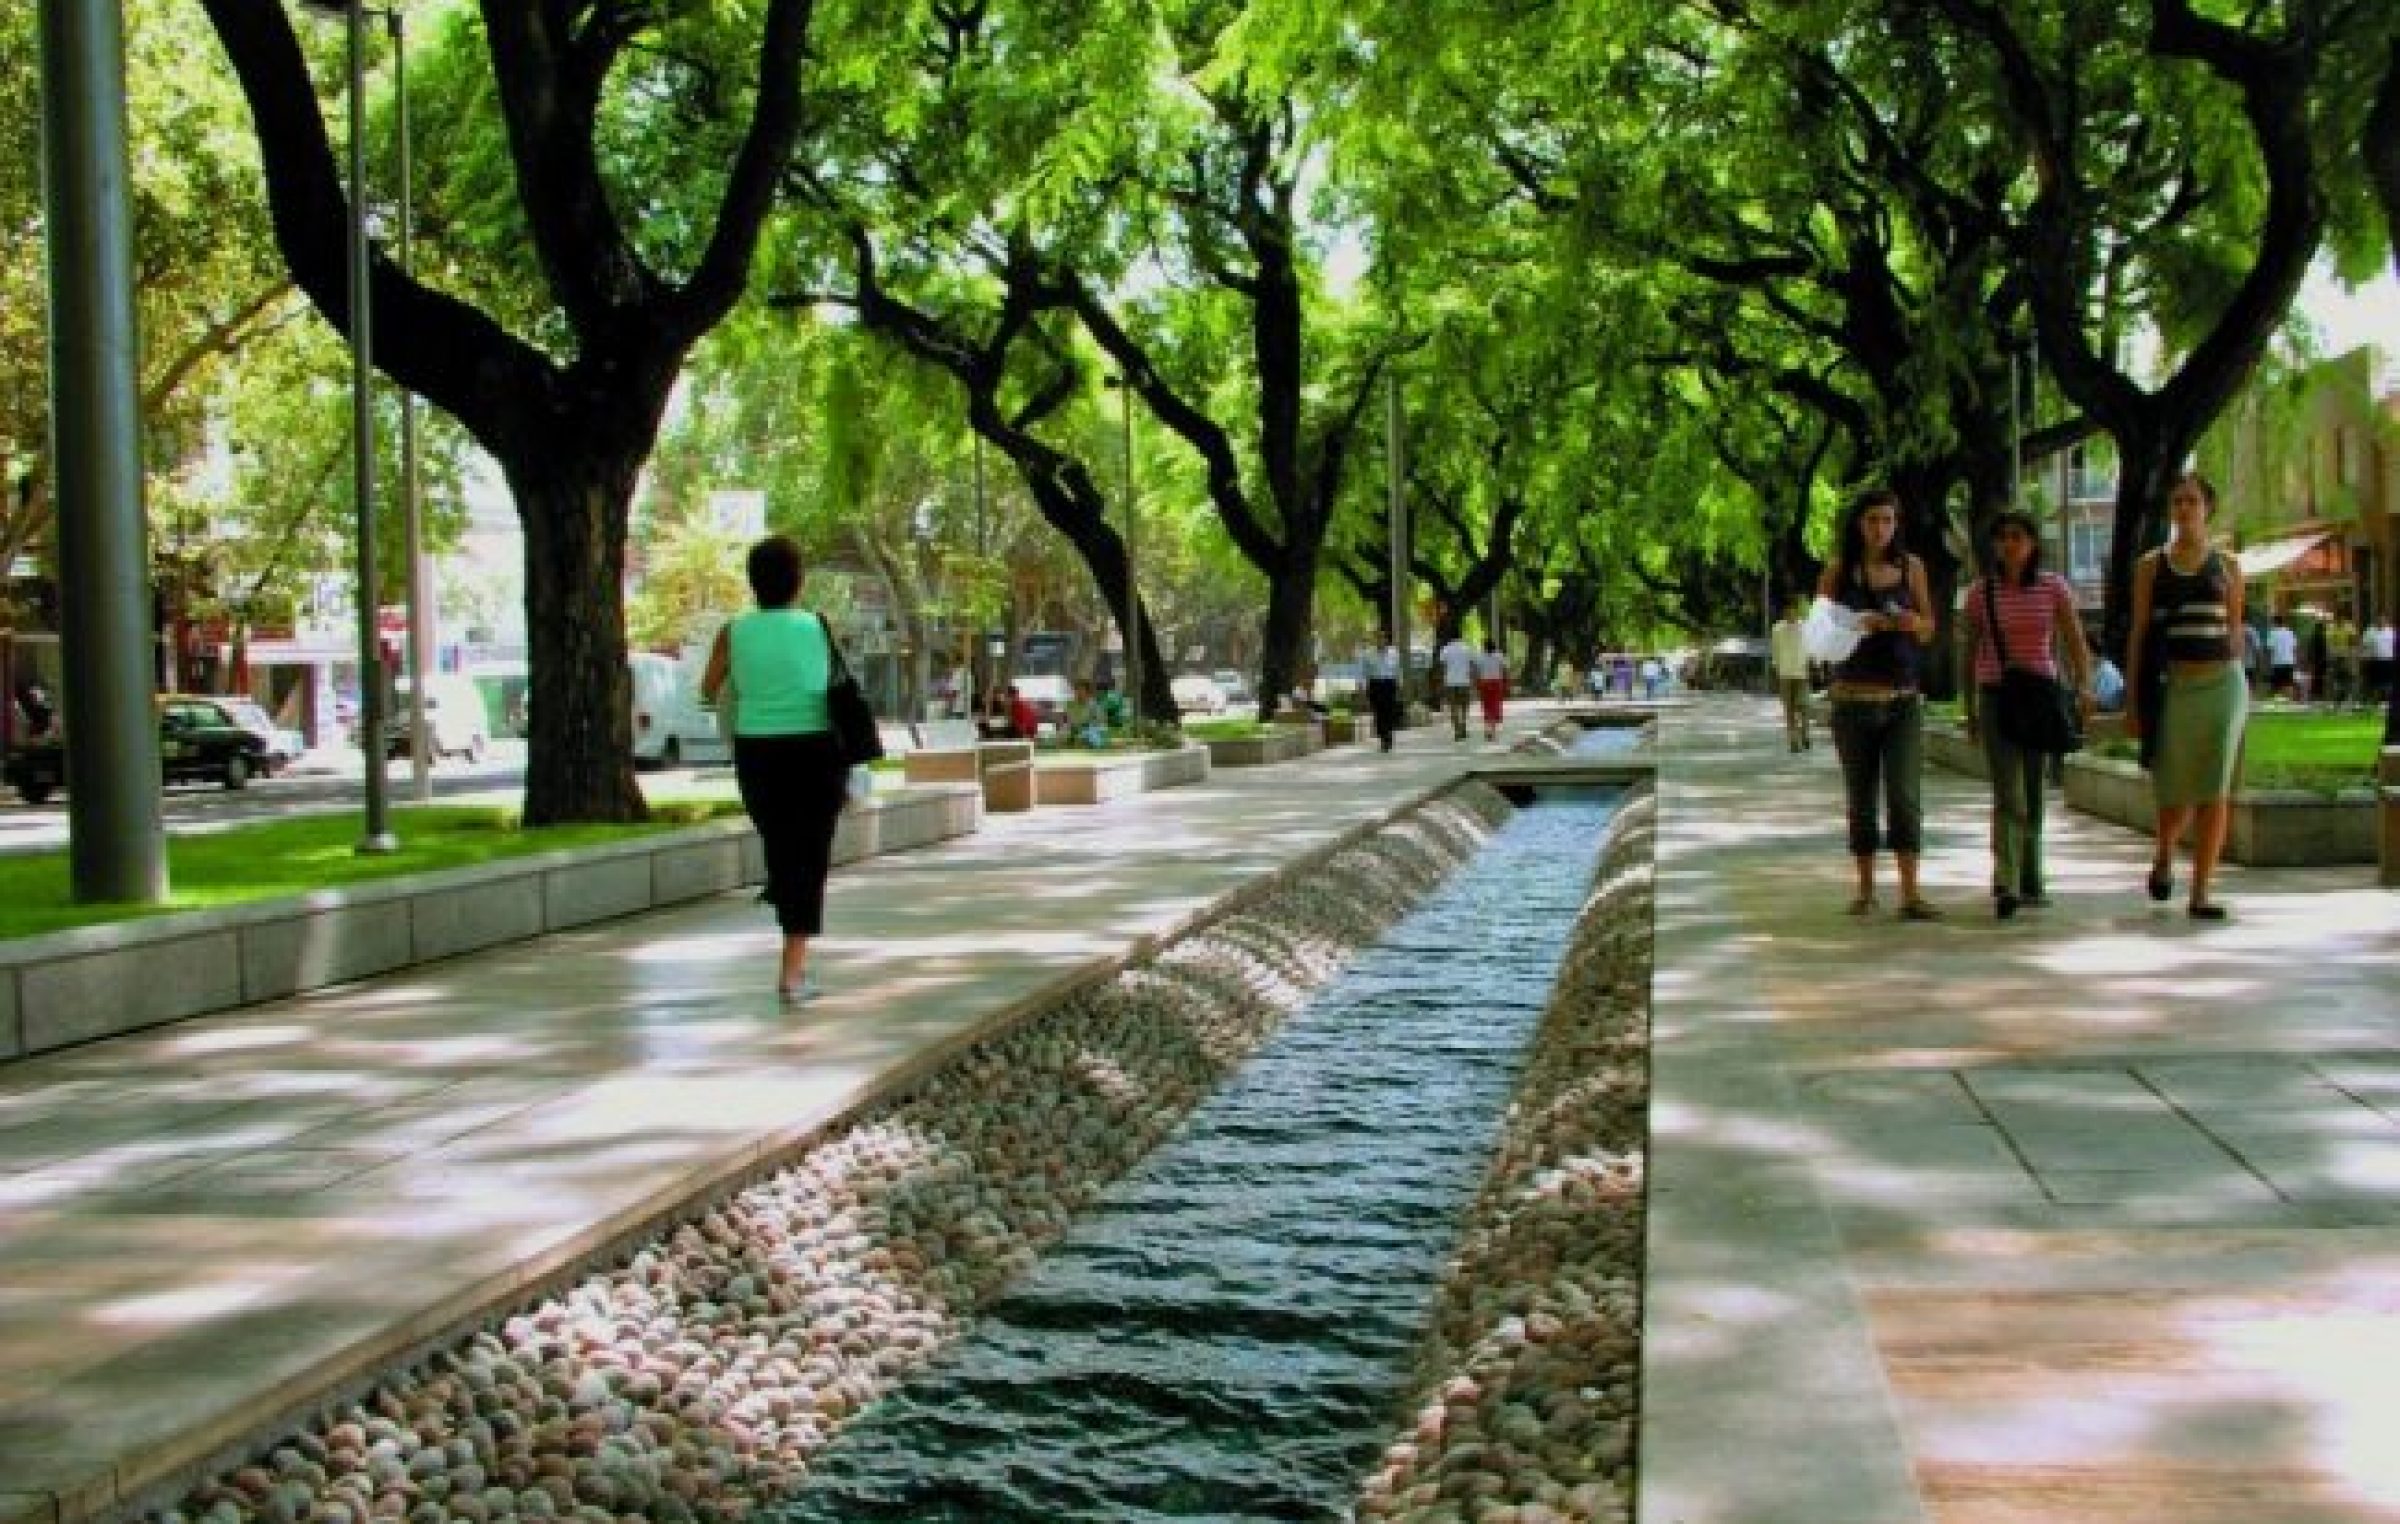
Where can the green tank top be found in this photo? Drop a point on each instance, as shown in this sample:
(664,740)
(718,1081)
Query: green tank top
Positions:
(781,663)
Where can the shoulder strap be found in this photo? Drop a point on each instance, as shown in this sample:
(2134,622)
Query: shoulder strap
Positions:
(1991,605)
(840,669)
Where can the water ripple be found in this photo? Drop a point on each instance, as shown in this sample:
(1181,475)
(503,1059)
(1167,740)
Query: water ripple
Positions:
(1223,1335)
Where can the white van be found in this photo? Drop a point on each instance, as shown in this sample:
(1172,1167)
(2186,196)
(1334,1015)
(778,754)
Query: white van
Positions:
(671,726)
(455,722)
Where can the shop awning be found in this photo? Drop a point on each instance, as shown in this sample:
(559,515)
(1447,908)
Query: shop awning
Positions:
(2268,557)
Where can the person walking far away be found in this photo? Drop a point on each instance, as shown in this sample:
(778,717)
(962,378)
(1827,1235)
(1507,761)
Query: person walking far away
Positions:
(1878,718)
(2190,700)
(1382,669)
(1784,647)
(2036,612)
(2283,657)
(1491,686)
(2375,660)
(772,666)
(1457,660)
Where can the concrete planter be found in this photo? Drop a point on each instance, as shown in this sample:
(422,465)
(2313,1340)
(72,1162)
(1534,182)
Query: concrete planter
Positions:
(1283,745)
(2270,828)
(100,981)
(1348,729)
(1098,779)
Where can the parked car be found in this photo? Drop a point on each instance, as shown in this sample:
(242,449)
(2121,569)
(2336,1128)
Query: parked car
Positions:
(1339,682)
(671,725)
(284,745)
(198,742)
(455,722)
(1195,694)
(1235,686)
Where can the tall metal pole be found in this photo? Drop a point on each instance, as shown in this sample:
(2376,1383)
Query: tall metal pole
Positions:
(1133,581)
(378,837)
(116,848)
(1396,508)
(412,517)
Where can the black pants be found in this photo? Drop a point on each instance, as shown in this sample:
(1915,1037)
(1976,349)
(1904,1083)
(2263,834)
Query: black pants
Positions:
(1383,700)
(792,787)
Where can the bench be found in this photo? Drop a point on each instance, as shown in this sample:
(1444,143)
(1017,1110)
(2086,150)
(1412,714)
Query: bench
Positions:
(949,753)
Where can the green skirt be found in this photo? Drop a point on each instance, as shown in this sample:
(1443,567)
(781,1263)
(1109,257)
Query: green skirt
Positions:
(2199,737)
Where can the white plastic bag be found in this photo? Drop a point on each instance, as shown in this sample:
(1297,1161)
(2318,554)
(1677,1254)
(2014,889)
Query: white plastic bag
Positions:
(857,785)
(1831,631)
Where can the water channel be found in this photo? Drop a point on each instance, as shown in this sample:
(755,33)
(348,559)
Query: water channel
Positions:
(1223,1336)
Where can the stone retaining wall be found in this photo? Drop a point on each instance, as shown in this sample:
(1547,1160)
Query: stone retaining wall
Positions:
(1283,744)
(1104,778)
(75,986)
(2270,828)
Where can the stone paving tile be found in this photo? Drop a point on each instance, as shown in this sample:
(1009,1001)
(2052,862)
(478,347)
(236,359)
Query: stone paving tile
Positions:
(2203,1190)
(2259,1082)
(2165,1142)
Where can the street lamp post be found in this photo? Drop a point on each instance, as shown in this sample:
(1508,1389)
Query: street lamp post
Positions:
(412,518)
(378,834)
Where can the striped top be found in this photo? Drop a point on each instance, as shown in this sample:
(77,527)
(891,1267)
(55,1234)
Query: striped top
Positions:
(2029,620)
(2190,609)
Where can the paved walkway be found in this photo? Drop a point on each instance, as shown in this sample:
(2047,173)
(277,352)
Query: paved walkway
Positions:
(2093,1216)
(2090,1216)
(197,1222)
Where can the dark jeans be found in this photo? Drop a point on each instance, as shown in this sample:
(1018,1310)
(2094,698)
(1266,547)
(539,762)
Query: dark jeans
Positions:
(2018,780)
(1383,699)
(792,787)
(1882,747)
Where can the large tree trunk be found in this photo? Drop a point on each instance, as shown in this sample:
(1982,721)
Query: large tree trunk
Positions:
(2149,458)
(573,506)
(1290,624)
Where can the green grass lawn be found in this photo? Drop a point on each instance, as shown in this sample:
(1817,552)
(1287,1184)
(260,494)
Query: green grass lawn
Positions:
(1226,730)
(274,859)
(2298,748)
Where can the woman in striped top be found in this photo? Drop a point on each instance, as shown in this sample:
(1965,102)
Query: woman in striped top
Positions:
(2036,617)
(2187,619)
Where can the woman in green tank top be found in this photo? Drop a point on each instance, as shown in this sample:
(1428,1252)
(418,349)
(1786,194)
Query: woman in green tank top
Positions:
(771,665)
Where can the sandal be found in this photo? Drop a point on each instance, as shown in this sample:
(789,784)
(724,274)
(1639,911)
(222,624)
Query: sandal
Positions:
(1863,905)
(1920,910)
(2161,884)
(2204,910)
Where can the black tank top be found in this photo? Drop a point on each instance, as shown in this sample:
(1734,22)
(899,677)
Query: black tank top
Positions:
(2191,611)
(1887,658)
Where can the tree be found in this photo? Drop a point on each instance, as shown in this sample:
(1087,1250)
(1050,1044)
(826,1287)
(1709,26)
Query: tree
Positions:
(2215,222)
(569,414)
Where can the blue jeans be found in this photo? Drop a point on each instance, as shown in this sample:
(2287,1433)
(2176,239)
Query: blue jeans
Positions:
(2018,777)
(1882,747)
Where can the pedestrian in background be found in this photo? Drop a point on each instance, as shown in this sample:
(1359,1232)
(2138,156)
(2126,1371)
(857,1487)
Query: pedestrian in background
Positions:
(2018,615)
(778,660)
(1878,716)
(1491,687)
(2283,657)
(1457,661)
(1790,656)
(1382,669)
(2184,666)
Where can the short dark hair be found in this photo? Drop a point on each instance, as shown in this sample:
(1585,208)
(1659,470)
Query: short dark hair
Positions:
(775,571)
(2018,518)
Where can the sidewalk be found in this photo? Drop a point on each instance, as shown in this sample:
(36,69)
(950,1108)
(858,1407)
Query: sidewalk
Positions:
(2090,1216)
(2094,1215)
(202,1223)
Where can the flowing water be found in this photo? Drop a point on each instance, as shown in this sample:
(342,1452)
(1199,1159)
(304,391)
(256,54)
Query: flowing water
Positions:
(1223,1336)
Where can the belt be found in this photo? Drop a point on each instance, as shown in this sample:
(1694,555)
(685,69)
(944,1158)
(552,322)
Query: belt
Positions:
(1848,693)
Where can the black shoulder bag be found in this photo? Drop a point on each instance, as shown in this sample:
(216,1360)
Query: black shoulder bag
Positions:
(2035,713)
(854,732)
